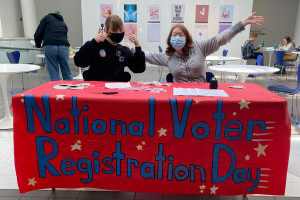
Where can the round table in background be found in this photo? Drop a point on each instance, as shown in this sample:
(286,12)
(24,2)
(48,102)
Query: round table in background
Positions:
(78,77)
(5,70)
(270,52)
(217,59)
(244,70)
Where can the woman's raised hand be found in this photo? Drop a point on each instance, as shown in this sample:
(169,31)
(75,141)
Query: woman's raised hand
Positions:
(253,19)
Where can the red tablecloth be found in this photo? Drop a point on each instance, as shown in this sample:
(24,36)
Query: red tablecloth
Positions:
(152,142)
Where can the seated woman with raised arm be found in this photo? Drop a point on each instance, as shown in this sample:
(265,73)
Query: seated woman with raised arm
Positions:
(185,58)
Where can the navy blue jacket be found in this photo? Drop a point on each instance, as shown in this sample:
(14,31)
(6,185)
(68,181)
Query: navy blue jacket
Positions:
(52,30)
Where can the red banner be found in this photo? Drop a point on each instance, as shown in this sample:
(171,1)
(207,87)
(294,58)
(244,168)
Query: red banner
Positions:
(152,141)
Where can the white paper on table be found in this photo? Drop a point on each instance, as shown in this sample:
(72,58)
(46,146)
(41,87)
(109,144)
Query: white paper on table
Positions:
(199,92)
(117,85)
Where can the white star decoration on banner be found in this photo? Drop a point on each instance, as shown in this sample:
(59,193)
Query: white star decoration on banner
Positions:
(143,143)
(198,101)
(247,157)
(162,132)
(22,100)
(32,182)
(244,104)
(76,146)
(261,149)
(60,96)
(234,114)
(213,189)
(202,187)
(139,147)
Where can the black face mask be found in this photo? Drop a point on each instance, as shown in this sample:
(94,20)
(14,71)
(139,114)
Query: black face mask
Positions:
(116,37)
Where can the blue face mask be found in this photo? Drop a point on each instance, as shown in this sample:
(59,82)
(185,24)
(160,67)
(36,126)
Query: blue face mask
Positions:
(177,42)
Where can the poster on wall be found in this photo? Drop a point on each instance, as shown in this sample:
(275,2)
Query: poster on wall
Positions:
(130,29)
(226,13)
(200,32)
(153,13)
(177,14)
(223,27)
(130,13)
(105,11)
(153,33)
(202,13)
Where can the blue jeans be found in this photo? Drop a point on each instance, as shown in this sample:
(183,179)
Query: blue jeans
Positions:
(53,56)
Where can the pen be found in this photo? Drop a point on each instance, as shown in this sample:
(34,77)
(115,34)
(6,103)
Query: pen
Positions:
(109,92)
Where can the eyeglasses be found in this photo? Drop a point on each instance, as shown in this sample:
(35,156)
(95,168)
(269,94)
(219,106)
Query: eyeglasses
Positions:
(174,34)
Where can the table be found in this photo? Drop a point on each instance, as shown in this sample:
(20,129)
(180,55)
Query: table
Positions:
(143,141)
(5,70)
(243,70)
(216,59)
(78,77)
(270,52)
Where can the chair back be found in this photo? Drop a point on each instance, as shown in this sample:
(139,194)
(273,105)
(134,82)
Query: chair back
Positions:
(259,59)
(13,57)
(209,76)
(169,77)
(298,78)
(224,54)
(84,74)
(279,56)
(160,49)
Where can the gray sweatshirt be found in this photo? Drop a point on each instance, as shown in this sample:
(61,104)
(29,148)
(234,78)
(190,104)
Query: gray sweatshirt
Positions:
(192,68)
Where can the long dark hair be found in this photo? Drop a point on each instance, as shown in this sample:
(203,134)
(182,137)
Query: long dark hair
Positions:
(289,40)
(189,41)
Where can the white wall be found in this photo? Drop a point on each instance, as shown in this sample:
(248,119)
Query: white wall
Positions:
(10,13)
(280,20)
(71,11)
(297,28)
(0,28)
(91,19)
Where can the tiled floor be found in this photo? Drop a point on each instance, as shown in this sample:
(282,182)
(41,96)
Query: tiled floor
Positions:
(8,182)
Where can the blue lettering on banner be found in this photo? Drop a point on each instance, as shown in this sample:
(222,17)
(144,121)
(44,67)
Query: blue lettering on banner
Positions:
(163,163)
(179,125)
(30,106)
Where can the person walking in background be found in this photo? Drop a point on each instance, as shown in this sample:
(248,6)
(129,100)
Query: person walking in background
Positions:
(288,47)
(250,50)
(53,31)
(107,58)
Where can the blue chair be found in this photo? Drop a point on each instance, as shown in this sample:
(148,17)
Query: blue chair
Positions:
(14,58)
(209,76)
(84,74)
(279,54)
(259,62)
(225,51)
(287,90)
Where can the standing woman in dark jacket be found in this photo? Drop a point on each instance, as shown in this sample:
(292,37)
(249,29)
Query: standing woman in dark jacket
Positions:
(107,58)
(52,30)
